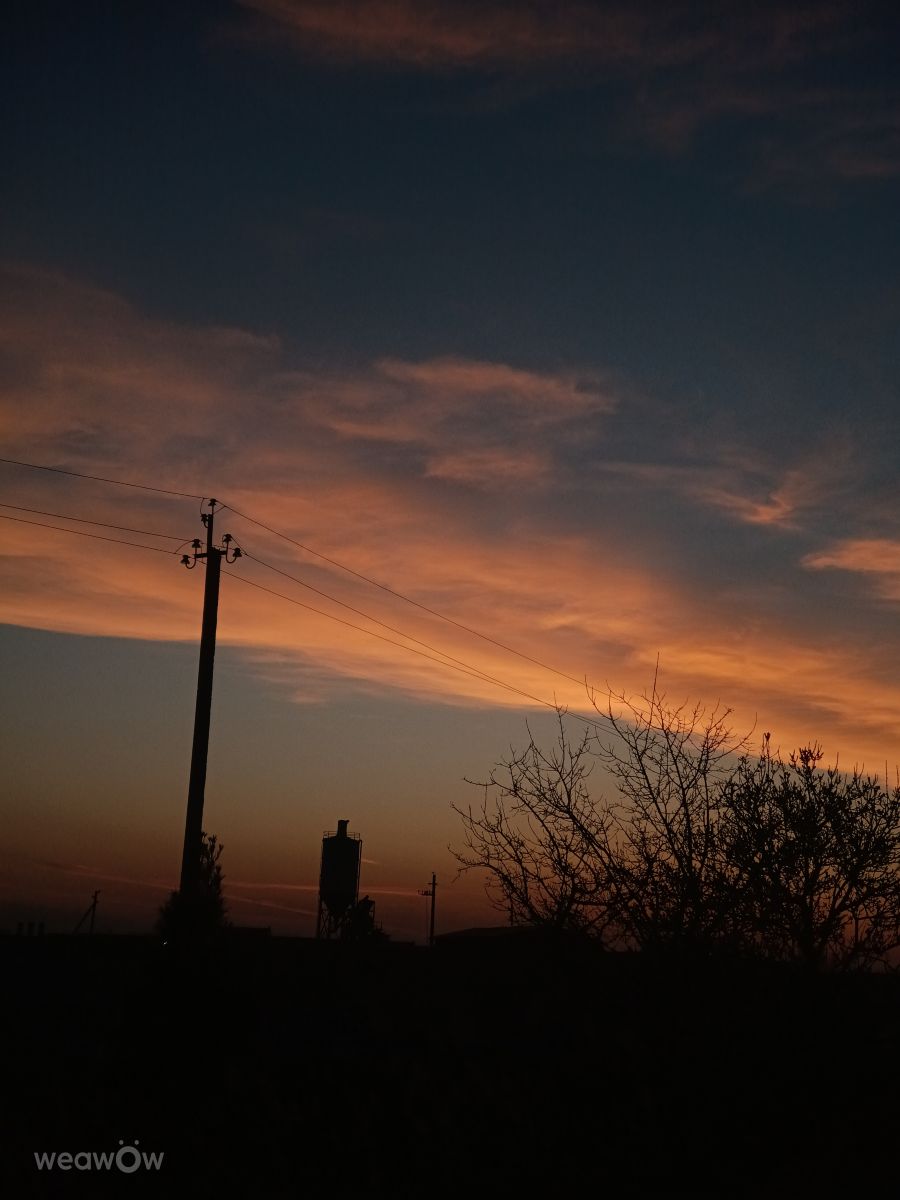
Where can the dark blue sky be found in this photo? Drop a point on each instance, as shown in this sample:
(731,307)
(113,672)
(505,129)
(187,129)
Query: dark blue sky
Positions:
(524,210)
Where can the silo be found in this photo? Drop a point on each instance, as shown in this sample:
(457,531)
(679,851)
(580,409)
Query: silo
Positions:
(338,881)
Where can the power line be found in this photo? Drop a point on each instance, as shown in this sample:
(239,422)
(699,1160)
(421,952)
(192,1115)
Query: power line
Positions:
(446,660)
(87,521)
(582,682)
(83,533)
(417,604)
(144,487)
(643,710)
(463,668)
(324,558)
(368,617)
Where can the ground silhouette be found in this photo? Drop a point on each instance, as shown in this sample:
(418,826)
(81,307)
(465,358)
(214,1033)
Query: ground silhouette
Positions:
(274,1067)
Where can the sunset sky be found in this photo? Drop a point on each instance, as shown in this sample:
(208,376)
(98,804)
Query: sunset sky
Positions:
(576,323)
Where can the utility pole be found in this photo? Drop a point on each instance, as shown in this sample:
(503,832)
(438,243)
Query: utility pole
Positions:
(91,911)
(430,891)
(193,825)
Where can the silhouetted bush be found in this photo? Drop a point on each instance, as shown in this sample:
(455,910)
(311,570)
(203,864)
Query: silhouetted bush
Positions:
(200,916)
(817,856)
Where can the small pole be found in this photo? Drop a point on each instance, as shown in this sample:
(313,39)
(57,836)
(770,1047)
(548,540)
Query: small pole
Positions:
(430,891)
(90,911)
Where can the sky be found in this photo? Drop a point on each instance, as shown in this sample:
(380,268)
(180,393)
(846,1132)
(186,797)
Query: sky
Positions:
(575,323)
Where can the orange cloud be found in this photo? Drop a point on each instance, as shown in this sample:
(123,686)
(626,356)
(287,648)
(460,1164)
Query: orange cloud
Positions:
(486,424)
(799,490)
(70,341)
(876,558)
(384,468)
(490,468)
(748,487)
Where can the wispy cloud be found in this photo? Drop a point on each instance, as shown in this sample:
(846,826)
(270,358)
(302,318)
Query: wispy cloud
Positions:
(491,491)
(270,905)
(453,33)
(490,425)
(682,66)
(450,34)
(878,559)
(95,874)
(747,484)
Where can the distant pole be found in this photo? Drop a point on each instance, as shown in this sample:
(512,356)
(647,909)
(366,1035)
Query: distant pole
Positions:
(430,891)
(193,824)
(90,911)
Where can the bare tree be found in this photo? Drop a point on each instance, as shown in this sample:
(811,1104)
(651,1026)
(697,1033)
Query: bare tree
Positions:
(664,862)
(540,837)
(819,856)
(645,870)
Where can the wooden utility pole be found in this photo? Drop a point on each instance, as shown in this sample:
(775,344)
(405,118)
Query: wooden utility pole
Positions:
(193,825)
(90,911)
(430,891)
